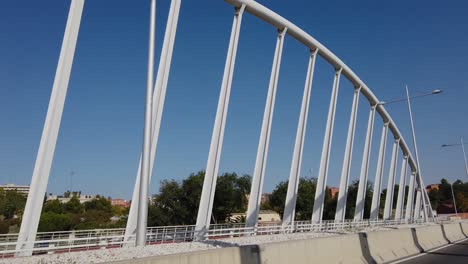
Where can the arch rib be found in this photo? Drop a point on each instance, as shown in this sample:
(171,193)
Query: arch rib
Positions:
(307,40)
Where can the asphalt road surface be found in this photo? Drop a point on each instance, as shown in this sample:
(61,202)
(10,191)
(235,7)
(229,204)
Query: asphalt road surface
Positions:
(453,254)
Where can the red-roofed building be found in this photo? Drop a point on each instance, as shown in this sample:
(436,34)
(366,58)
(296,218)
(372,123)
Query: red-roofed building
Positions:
(120,202)
(334,191)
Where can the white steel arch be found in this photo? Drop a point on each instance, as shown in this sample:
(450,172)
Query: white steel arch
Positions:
(52,124)
(300,35)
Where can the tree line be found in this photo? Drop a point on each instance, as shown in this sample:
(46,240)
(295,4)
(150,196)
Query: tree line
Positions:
(176,203)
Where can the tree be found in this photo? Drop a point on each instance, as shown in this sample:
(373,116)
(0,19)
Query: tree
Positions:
(278,197)
(167,208)
(230,196)
(99,203)
(54,206)
(11,203)
(73,206)
(54,222)
(192,188)
(305,198)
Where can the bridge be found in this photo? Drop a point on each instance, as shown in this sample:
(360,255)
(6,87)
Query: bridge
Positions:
(403,166)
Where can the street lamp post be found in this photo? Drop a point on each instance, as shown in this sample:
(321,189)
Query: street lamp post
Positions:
(453,198)
(418,174)
(425,196)
(464,155)
(462,144)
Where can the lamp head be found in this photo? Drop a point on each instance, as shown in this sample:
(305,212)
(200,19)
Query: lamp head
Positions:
(436,91)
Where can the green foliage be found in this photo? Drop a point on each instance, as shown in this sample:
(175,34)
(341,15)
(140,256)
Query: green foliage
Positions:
(305,198)
(74,206)
(177,203)
(99,204)
(230,196)
(444,195)
(11,203)
(54,206)
(53,222)
(4,227)
(352,196)
(278,197)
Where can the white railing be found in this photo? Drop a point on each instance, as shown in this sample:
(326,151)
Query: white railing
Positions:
(82,240)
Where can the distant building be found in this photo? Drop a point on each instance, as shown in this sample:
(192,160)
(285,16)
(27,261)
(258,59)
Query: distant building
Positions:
(120,202)
(432,187)
(83,198)
(268,216)
(23,189)
(334,191)
(264,216)
(265,197)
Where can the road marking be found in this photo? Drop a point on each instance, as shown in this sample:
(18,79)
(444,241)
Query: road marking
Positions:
(425,253)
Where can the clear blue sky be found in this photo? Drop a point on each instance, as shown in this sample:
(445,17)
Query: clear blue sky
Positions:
(388,44)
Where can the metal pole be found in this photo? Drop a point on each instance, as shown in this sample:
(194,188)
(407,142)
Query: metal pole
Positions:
(375,206)
(410,198)
(45,154)
(209,183)
(361,195)
(264,141)
(418,175)
(453,197)
(293,185)
(324,162)
(391,182)
(345,171)
(142,219)
(464,155)
(158,98)
(401,189)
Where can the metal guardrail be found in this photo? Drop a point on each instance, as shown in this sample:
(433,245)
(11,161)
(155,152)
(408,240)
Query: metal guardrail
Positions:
(82,240)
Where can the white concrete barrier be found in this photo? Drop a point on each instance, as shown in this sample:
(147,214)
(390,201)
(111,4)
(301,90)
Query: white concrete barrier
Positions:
(453,232)
(464,226)
(335,249)
(386,246)
(229,255)
(371,247)
(430,237)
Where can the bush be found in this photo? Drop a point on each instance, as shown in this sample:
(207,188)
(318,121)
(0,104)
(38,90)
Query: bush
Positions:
(4,227)
(54,222)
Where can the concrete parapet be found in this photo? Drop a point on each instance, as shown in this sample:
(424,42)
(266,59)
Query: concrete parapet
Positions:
(386,246)
(335,249)
(229,255)
(430,237)
(370,247)
(453,232)
(464,227)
